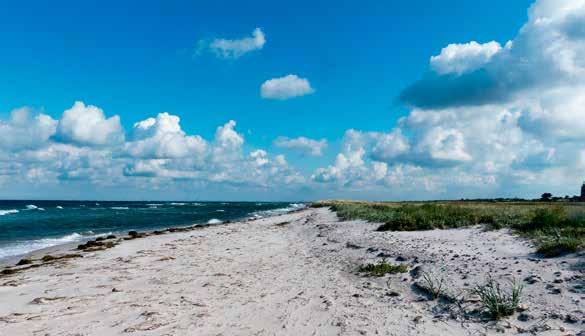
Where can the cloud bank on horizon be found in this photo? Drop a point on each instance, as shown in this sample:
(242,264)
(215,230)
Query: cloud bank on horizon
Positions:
(486,119)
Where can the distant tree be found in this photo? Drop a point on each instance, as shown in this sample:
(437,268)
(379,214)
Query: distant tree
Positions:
(546,197)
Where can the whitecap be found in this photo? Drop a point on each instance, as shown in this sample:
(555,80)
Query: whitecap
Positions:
(33,245)
(220,210)
(175,203)
(214,221)
(59,207)
(31,207)
(119,208)
(8,212)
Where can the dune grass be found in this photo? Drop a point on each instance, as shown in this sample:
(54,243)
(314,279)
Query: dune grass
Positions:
(382,268)
(497,301)
(556,228)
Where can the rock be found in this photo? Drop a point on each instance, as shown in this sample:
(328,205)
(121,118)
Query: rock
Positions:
(48,257)
(525,317)
(569,318)
(417,319)
(532,279)
(400,258)
(555,291)
(100,239)
(24,261)
(133,233)
(384,255)
(352,246)
(115,290)
(521,308)
(111,237)
(417,272)
(392,294)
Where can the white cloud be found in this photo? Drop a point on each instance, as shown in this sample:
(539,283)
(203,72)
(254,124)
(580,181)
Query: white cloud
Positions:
(302,144)
(163,138)
(465,57)
(286,87)
(22,131)
(489,121)
(235,48)
(87,125)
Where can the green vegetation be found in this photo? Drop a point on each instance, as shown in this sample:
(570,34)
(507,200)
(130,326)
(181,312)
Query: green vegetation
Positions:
(382,268)
(433,285)
(556,228)
(497,301)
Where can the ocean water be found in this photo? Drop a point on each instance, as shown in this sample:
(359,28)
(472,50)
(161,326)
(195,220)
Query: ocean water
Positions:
(26,226)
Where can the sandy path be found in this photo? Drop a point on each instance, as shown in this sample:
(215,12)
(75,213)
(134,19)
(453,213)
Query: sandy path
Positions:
(286,275)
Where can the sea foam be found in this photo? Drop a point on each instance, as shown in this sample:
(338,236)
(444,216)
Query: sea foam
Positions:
(8,212)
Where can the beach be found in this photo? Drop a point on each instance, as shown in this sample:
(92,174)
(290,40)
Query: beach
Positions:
(292,274)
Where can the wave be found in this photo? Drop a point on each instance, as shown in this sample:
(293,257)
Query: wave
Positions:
(214,221)
(279,211)
(220,210)
(8,212)
(175,203)
(119,208)
(33,245)
(59,207)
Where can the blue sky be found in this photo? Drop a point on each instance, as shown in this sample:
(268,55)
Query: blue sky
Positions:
(136,59)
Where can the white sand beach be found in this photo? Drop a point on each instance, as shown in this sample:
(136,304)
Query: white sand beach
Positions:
(294,274)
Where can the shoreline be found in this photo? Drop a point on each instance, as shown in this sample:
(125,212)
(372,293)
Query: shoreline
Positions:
(71,246)
(292,274)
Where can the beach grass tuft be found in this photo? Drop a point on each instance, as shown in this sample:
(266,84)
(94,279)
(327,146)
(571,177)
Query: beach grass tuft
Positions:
(382,268)
(498,301)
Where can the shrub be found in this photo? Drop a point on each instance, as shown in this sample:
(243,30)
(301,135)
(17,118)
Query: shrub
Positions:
(382,268)
(499,302)
(559,247)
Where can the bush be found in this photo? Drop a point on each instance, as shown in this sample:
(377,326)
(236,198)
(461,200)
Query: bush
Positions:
(499,302)
(382,268)
(559,247)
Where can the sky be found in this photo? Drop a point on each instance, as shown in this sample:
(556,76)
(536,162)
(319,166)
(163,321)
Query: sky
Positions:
(387,100)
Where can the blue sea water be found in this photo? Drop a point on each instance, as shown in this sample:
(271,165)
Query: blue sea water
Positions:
(26,226)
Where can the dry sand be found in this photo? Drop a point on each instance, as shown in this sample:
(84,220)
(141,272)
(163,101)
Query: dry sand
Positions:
(290,275)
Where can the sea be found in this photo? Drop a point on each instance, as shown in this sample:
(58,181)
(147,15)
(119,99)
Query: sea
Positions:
(27,226)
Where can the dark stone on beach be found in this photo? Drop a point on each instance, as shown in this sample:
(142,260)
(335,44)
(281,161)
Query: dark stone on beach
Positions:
(8,271)
(532,279)
(24,262)
(352,246)
(100,239)
(571,318)
(417,272)
(384,255)
(48,257)
(133,233)
(111,237)
(115,290)
(400,258)
(81,247)
(525,317)
(157,232)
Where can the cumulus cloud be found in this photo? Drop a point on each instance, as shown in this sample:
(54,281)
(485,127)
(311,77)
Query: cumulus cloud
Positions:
(158,153)
(23,131)
(465,57)
(487,120)
(286,87)
(162,138)
(304,145)
(235,48)
(87,125)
